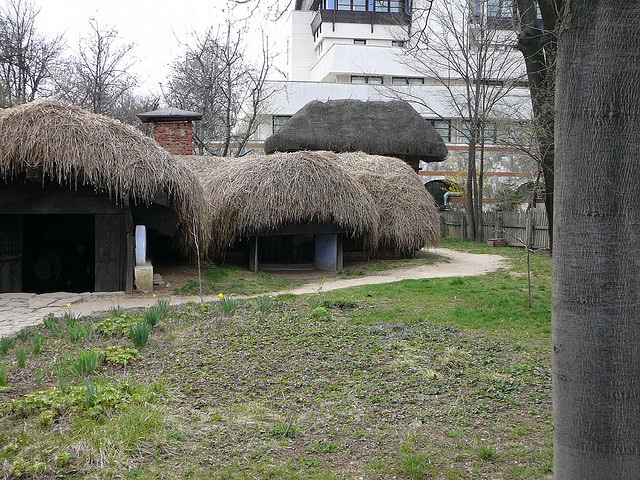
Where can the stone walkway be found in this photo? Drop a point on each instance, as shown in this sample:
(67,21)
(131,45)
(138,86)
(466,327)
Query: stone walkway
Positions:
(19,310)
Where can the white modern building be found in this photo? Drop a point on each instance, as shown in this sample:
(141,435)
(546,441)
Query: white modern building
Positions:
(415,50)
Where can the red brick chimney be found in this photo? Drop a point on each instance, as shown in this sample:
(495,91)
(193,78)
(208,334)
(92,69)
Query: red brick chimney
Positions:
(172,129)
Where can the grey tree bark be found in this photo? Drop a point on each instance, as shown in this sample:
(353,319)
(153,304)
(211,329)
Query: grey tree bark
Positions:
(596,263)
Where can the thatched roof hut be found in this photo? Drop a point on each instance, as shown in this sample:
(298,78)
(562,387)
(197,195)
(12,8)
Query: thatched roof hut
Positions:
(56,158)
(408,216)
(259,194)
(71,146)
(390,128)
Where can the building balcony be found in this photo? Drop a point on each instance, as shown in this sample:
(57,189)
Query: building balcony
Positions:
(365,18)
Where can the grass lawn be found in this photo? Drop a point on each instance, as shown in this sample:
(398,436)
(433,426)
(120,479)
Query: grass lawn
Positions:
(439,378)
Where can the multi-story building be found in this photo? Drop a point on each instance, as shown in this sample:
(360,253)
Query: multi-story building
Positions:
(416,50)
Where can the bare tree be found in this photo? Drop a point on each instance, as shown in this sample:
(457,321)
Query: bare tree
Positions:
(596,260)
(97,76)
(26,57)
(467,52)
(214,79)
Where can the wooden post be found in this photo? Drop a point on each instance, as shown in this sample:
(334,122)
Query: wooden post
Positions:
(443,226)
(465,234)
(529,230)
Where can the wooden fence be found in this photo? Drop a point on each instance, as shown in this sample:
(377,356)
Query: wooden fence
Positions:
(517,228)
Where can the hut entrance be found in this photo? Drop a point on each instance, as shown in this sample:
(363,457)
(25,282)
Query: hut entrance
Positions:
(58,253)
(295,251)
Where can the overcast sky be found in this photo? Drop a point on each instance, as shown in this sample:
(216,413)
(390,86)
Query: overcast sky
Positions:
(156,27)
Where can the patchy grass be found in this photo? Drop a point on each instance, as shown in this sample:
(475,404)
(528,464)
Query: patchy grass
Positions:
(446,379)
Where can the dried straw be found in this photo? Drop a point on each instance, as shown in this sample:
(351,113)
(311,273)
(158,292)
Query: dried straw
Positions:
(408,216)
(74,147)
(256,194)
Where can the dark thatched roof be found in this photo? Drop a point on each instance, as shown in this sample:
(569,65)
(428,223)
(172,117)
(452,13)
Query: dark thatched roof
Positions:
(73,147)
(256,194)
(390,128)
(408,215)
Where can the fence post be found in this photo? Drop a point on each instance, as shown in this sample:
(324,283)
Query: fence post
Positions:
(528,234)
(442,226)
(498,227)
(464,227)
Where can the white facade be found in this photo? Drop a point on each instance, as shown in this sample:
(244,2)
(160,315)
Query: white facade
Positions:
(359,49)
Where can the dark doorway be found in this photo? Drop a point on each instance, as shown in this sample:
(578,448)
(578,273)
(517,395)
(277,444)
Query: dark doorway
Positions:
(58,253)
(286,250)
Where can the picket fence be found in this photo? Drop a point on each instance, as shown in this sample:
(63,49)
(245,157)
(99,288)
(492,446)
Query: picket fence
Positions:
(518,228)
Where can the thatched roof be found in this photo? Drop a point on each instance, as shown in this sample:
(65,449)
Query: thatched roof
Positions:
(380,199)
(390,128)
(256,194)
(74,147)
(408,216)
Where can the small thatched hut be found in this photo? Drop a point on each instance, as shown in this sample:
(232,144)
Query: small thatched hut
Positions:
(391,128)
(309,209)
(295,209)
(72,187)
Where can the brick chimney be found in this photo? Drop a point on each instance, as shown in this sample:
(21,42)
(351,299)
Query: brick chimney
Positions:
(172,129)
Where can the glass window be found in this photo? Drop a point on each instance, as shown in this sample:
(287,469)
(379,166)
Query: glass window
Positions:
(396,6)
(279,121)
(415,81)
(399,80)
(344,4)
(359,41)
(359,5)
(329,4)
(443,127)
(397,43)
(381,5)
(499,8)
(362,79)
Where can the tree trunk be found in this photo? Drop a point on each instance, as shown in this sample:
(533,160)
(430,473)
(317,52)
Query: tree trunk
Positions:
(596,263)
(538,46)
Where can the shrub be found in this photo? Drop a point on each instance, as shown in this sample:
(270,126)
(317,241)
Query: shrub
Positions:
(264,303)
(21,356)
(36,343)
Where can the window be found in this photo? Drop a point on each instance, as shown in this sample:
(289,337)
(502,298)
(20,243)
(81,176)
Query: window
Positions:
(364,79)
(279,121)
(359,41)
(499,8)
(443,127)
(397,43)
(381,6)
(407,81)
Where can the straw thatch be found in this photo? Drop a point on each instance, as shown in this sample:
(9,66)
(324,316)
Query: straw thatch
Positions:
(390,128)
(258,194)
(408,216)
(73,147)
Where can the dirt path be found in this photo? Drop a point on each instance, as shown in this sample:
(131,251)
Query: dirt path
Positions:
(20,310)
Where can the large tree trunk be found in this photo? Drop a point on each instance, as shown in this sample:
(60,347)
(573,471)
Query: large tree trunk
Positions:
(596,277)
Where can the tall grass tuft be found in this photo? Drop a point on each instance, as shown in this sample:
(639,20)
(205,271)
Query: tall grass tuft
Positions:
(36,343)
(5,344)
(21,356)
(228,304)
(264,303)
(3,374)
(139,334)
(85,363)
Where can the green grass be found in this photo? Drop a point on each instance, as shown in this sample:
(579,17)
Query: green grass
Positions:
(442,378)
(237,281)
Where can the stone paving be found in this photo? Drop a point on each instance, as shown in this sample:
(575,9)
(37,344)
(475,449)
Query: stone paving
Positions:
(19,310)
